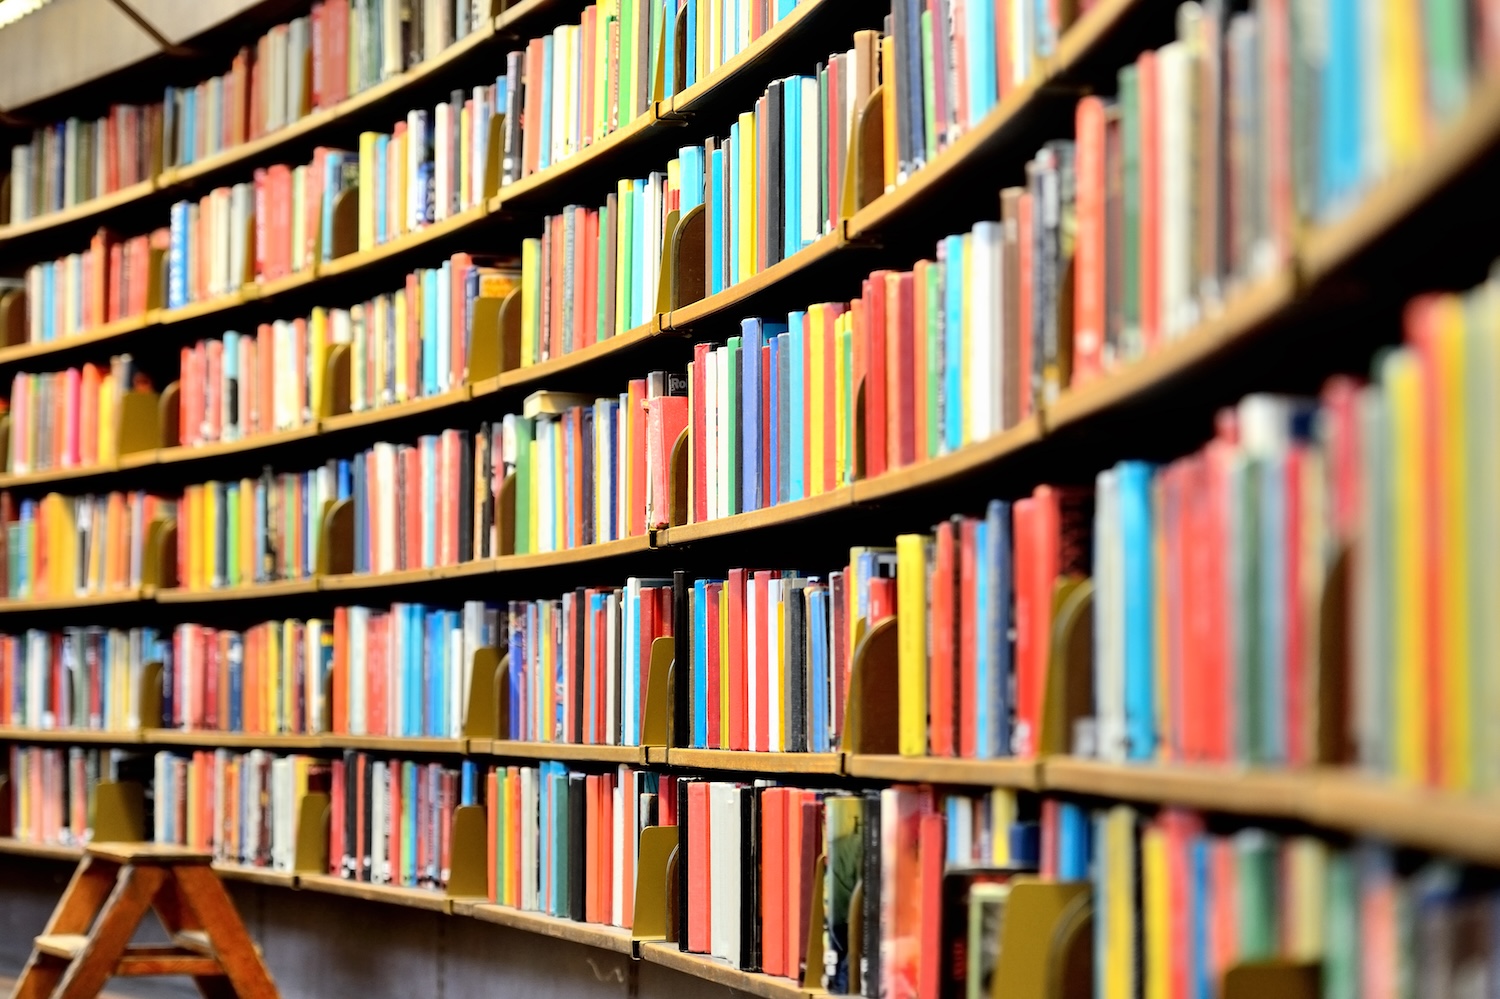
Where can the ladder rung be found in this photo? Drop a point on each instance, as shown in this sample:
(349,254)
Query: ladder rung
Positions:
(63,945)
(198,942)
(166,961)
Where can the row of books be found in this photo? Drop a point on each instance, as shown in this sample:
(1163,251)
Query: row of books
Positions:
(567,843)
(255,530)
(312,62)
(73,161)
(59,547)
(68,419)
(110,281)
(391,819)
(293,212)
(51,790)
(79,678)
(1211,572)
(243,808)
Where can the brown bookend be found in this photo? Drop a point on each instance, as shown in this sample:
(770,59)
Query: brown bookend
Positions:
(169,415)
(1335,665)
(314,814)
(652,891)
(690,263)
(159,563)
(856,936)
(150,696)
(338,382)
(481,717)
(13,318)
(510,331)
(1034,916)
(325,710)
(7,820)
(656,723)
(505,515)
(681,472)
(861,431)
(494,155)
(1070,961)
(872,713)
(156,288)
(1070,671)
(336,541)
(864,173)
(138,425)
(679,49)
(495,338)
(1273,980)
(812,973)
(674,878)
(5,183)
(247,273)
(119,812)
(667,278)
(468,869)
(4,440)
(345,223)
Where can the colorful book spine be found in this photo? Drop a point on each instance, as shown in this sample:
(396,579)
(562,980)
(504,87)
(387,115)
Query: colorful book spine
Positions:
(391,820)
(67,419)
(107,283)
(212,247)
(79,678)
(71,162)
(50,790)
(254,530)
(59,547)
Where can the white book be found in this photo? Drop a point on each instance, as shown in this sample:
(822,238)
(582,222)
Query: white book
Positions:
(777,665)
(1109,621)
(710,432)
(528,838)
(752,650)
(617,851)
(986,362)
(812,225)
(631,640)
(457,681)
(723,448)
(612,670)
(1175,65)
(393,60)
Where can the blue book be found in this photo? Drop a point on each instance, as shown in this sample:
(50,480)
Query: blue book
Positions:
(177,291)
(430,328)
(717,230)
(784,7)
(468,774)
(1341,112)
(444,309)
(983,60)
(690,74)
(783,424)
(791,144)
(796,326)
(773,443)
(544,144)
(751,334)
(732,171)
(190,125)
(700,664)
(691,160)
(1136,576)
(1201,980)
(1073,842)
(951,256)
(345,484)
(999,621)
(382,187)
(818,614)
(236,681)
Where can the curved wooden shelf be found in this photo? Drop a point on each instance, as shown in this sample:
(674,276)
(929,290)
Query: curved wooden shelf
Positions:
(1023,775)
(748,762)
(396,744)
(111,599)
(711,969)
(412,898)
(395,411)
(184,453)
(404,577)
(79,212)
(255,875)
(714,306)
(99,334)
(254,591)
(754,520)
(935,471)
(610,938)
(214,739)
(594,352)
(556,174)
(70,736)
(39,851)
(581,752)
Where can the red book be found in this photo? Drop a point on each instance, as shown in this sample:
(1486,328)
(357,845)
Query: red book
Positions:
(877,389)
(1030,645)
(699,439)
(830,396)
(806,848)
(1151,195)
(930,880)
(773,880)
(592,835)
(1050,830)
(1089,252)
(711,638)
(941,669)
(699,898)
(637,417)
(1026,348)
(739,681)
(666,418)
(764,615)
(340,679)
(606,848)
(1424,326)
(796,931)
(900,369)
(1004,71)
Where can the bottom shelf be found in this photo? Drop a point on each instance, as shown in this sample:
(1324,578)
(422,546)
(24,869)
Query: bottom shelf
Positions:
(610,938)
(712,969)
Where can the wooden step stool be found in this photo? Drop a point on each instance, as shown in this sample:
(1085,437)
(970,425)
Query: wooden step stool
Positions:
(117,883)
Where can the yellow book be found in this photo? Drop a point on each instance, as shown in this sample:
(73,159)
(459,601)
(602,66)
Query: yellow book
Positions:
(911,614)
(288,674)
(745,150)
(1403,84)
(1484,481)
(367,189)
(1456,541)
(1157,908)
(271,670)
(1305,907)
(840,398)
(465,159)
(106,428)
(249,557)
(1002,816)
(397,219)
(724,667)
(1401,376)
(622,256)
(1118,973)
(888,109)
(531,299)
(213,572)
(778,737)
(817,316)
(317,342)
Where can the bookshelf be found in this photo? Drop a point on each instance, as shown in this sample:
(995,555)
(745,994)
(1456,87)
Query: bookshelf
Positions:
(1327,797)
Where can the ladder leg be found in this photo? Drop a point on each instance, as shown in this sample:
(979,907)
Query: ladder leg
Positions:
(233,947)
(177,915)
(91,884)
(121,914)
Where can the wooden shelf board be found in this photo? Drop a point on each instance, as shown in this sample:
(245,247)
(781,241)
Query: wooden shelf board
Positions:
(207,739)
(566,556)
(1231,790)
(395,411)
(46,475)
(966,459)
(737,760)
(558,173)
(554,366)
(1462,826)
(282,285)
(713,306)
(207,307)
(581,752)
(1023,775)
(140,459)
(255,875)
(754,520)
(394,744)
(351,262)
(1245,313)
(254,591)
(610,938)
(414,898)
(711,969)
(39,851)
(68,603)
(657,754)
(1325,248)
(70,736)
(78,212)
(98,334)
(1086,32)
(747,59)
(245,445)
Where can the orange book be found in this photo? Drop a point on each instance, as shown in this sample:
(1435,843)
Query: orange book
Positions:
(796,931)
(773,879)
(606,848)
(930,882)
(698,924)
(492,823)
(591,846)
(942,671)
(916,324)
(1089,253)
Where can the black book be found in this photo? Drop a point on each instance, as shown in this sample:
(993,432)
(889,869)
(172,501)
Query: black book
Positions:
(683,863)
(587,414)
(795,609)
(869,961)
(776,160)
(580,629)
(465,497)
(577,890)
(366,776)
(510,160)
(750,887)
(681,696)
(486,472)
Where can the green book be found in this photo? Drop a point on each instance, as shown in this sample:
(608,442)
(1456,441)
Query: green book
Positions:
(626,66)
(732,394)
(1132,344)
(524,430)
(929,90)
(1447,56)
(935,355)
(626,300)
(1257,863)
(1342,957)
